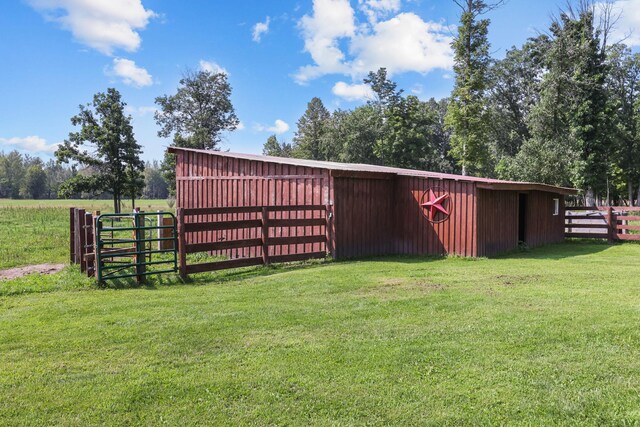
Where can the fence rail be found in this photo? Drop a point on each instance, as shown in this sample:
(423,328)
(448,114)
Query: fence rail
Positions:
(607,222)
(250,234)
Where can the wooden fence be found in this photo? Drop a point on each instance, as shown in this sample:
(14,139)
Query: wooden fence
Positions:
(81,233)
(613,223)
(253,235)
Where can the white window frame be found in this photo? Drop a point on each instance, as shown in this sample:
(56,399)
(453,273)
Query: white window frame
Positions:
(556,207)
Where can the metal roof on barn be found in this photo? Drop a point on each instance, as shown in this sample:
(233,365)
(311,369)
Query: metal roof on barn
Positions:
(349,169)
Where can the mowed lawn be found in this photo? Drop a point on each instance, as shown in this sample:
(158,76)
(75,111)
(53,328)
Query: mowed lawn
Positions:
(37,231)
(550,336)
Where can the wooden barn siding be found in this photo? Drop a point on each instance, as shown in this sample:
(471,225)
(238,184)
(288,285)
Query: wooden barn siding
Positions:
(542,226)
(363,217)
(414,234)
(497,221)
(206,180)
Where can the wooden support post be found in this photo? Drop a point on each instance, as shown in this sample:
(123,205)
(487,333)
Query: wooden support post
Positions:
(265,236)
(612,222)
(328,230)
(72,236)
(182,244)
(81,241)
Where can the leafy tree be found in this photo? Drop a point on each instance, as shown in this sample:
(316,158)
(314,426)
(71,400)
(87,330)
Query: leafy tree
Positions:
(12,172)
(34,185)
(273,147)
(105,144)
(312,128)
(623,85)
(467,117)
(353,134)
(515,89)
(155,186)
(386,90)
(196,115)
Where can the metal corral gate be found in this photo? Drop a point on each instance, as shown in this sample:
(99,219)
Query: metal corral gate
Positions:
(123,245)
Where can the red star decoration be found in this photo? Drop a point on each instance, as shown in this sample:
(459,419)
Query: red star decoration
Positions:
(435,205)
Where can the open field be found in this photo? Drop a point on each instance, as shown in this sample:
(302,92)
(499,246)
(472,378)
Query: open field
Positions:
(37,231)
(543,337)
(104,205)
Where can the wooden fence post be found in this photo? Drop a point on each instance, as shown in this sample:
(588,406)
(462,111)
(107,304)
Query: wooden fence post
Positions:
(81,241)
(328,230)
(265,236)
(613,224)
(72,236)
(182,254)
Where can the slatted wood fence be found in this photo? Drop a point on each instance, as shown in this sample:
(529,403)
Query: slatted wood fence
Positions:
(613,223)
(252,235)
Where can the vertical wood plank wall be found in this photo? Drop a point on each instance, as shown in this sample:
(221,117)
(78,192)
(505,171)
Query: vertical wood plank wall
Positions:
(497,221)
(542,226)
(364,221)
(207,180)
(416,235)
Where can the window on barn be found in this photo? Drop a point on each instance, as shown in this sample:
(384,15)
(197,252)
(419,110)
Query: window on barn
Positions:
(556,207)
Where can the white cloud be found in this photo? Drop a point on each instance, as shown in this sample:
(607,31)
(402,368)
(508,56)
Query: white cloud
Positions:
(353,92)
(627,27)
(376,9)
(331,21)
(140,111)
(279,127)
(33,144)
(403,43)
(212,67)
(240,126)
(130,73)
(104,25)
(260,29)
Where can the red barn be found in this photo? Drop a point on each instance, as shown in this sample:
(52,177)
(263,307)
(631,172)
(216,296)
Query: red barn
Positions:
(381,210)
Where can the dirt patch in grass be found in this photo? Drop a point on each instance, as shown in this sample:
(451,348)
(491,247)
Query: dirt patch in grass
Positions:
(394,288)
(14,273)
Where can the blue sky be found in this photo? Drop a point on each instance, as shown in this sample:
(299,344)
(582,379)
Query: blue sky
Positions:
(278,55)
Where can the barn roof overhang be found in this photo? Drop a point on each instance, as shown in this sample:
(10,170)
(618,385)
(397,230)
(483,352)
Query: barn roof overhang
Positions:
(365,171)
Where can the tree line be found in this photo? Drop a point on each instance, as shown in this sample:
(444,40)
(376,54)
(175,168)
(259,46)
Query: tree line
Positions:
(27,177)
(561,109)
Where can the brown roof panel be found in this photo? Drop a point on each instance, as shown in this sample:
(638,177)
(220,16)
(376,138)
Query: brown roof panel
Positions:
(485,183)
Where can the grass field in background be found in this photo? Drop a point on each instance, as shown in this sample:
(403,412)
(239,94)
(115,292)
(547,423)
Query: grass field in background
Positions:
(88,204)
(37,231)
(545,337)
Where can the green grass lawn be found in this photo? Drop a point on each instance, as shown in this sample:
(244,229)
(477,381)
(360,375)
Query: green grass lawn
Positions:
(37,231)
(543,337)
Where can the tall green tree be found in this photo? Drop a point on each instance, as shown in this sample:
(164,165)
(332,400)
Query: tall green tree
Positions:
(467,116)
(34,185)
(570,126)
(310,135)
(105,145)
(623,85)
(196,115)
(273,147)
(12,170)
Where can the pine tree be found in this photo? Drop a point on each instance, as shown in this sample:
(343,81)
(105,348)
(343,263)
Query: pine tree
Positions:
(312,128)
